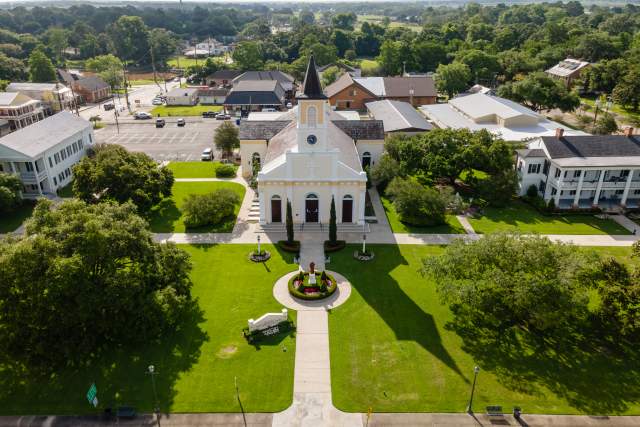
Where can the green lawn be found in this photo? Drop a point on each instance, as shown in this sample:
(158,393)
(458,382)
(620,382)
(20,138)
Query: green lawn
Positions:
(633,116)
(184,62)
(194,169)
(451,227)
(391,351)
(523,218)
(178,110)
(66,191)
(369,66)
(166,217)
(197,365)
(11,221)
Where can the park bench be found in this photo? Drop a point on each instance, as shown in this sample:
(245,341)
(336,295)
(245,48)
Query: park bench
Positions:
(494,411)
(128,412)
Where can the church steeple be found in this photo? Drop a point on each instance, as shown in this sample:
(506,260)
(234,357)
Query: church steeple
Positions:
(311,87)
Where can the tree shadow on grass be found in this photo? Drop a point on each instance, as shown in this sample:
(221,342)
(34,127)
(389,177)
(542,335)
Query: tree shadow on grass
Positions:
(120,375)
(587,367)
(163,216)
(384,294)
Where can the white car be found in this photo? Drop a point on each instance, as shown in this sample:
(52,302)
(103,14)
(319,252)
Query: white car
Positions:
(207,155)
(142,115)
(156,101)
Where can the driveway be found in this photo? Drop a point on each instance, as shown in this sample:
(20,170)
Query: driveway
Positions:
(168,143)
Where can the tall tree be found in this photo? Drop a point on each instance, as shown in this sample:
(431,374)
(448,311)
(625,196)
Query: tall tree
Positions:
(333,226)
(108,67)
(248,56)
(344,21)
(289,223)
(164,44)
(226,138)
(111,173)
(41,68)
(538,91)
(627,91)
(453,78)
(87,277)
(10,192)
(130,39)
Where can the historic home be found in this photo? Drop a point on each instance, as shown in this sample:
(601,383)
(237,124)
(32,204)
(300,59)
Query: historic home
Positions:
(54,96)
(19,110)
(308,156)
(583,171)
(567,70)
(44,153)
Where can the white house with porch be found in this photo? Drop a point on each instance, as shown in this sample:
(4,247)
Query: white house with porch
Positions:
(309,156)
(44,153)
(581,172)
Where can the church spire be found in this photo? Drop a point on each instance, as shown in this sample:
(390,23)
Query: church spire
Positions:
(311,88)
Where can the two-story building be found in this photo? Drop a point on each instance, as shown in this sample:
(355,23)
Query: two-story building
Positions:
(19,110)
(583,171)
(54,96)
(43,154)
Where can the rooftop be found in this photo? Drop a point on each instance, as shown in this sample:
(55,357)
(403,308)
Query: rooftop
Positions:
(398,116)
(22,86)
(187,91)
(92,83)
(37,138)
(261,129)
(592,146)
(14,99)
(567,67)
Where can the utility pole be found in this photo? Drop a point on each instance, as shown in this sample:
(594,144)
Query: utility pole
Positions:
(115,113)
(153,66)
(152,372)
(124,78)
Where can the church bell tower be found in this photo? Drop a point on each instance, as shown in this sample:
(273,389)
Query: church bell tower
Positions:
(313,112)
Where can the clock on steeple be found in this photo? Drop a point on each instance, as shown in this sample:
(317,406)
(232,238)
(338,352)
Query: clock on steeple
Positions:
(313,112)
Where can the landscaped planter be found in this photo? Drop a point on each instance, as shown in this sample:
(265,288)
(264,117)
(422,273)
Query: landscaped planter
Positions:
(302,289)
(363,256)
(289,247)
(259,257)
(339,244)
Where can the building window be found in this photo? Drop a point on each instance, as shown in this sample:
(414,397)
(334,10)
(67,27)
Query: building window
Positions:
(619,192)
(534,168)
(50,163)
(553,191)
(576,174)
(69,151)
(56,157)
(545,168)
(311,116)
(572,192)
(63,154)
(55,181)
(81,144)
(636,192)
(624,173)
(75,147)
(29,167)
(557,175)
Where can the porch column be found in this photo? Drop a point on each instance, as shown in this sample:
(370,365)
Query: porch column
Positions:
(35,171)
(576,199)
(596,197)
(361,206)
(557,196)
(627,185)
(263,216)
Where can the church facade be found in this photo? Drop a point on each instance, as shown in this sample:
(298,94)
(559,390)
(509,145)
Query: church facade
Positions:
(309,156)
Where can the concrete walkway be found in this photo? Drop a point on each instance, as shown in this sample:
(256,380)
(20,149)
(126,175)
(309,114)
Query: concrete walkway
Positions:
(625,222)
(464,222)
(311,250)
(312,405)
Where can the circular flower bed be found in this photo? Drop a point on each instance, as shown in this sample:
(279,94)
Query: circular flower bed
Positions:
(363,256)
(259,257)
(300,287)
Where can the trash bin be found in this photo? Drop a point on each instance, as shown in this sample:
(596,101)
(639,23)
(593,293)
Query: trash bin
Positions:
(238,122)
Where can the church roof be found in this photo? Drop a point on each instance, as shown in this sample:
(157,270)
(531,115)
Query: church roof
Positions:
(261,129)
(311,87)
(363,129)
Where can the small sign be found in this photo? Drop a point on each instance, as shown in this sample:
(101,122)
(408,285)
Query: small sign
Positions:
(92,394)
(270,331)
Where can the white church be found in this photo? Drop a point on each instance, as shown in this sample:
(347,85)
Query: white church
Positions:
(310,155)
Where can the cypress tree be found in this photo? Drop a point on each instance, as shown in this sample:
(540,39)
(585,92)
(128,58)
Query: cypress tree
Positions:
(289,223)
(333,227)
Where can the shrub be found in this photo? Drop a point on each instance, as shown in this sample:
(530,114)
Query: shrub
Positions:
(551,206)
(292,246)
(211,208)
(10,189)
(532,191)
(334,246)
(325,291)
(225,171)
(417,204)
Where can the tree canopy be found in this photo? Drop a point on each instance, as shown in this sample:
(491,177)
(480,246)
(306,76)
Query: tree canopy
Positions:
(10,192)
(111,173)
(540,92)
(41,68)
(87,277)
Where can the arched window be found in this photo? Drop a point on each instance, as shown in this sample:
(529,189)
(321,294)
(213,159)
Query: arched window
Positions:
(348,196)
(311,196)
(366,159)
(311,116)
(276,209)
(311,208)
(347,209)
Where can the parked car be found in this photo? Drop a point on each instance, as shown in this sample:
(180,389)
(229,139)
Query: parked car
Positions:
(223,117)
(269,110)
(156,101)
(207,155)
(142,115)
(181,122)
(289,105)
(108,107)
(160,123)
(209,114)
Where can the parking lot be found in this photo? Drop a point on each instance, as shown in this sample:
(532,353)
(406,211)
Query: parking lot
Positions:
(168,143)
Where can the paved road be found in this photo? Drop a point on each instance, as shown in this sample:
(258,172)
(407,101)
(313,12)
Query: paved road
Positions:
(168,143)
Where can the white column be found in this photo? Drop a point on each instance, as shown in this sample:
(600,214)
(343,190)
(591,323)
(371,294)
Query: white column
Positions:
(576,199)
(263,216)
(623,202)
(596,197)
(560,180)
(361,206)
(35,171)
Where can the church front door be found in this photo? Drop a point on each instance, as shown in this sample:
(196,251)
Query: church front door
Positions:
(311,209)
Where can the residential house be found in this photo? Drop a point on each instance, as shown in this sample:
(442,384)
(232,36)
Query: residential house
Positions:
(222,78)
(44,153)
(254,95)
(352,93)
(54,96)
(183,96)
(503,117)
(398,117)
(92,89)
(477,88)
(309,156)
(212,96)
(286,81)
(19,110)
(567,70)
(582,172)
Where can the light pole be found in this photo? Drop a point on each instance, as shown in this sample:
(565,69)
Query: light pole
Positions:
(152,371)
(595,117)
(364,243)
(258,245)
(473,389)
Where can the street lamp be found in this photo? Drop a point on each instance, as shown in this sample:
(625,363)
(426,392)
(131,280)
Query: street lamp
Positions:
(595,117)
(152,371)
(473,389)
(258,244)
(364,243)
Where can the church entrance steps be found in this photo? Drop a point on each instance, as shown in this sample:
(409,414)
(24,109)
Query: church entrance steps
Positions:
(254,211)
